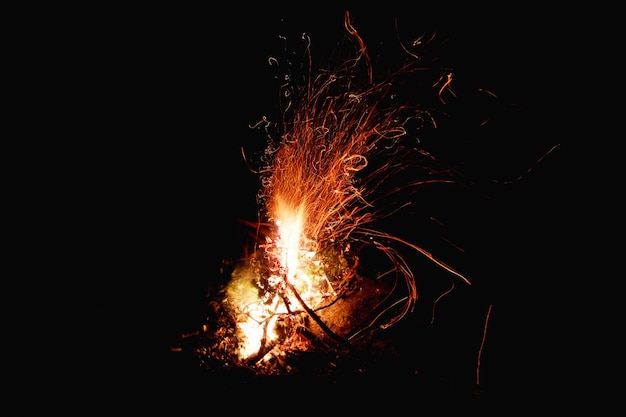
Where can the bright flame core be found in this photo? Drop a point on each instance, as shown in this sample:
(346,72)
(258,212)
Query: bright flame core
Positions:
(294,281)
(290,222)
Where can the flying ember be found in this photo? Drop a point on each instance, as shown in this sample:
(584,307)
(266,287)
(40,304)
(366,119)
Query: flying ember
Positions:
(324,277)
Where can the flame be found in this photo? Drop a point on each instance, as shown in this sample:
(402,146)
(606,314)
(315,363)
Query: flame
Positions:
(290,223)
(292,285)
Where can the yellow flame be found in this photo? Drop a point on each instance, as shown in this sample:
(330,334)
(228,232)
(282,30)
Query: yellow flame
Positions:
(290,223)
(299,266)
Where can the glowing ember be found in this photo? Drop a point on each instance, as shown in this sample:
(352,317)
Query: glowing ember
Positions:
(326,183)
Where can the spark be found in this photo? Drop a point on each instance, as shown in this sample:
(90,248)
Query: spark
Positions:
(531,168)
(445,87)
(482,345)
(448,291)
(352,31)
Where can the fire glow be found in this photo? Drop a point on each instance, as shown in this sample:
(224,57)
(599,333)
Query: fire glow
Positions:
(304,288)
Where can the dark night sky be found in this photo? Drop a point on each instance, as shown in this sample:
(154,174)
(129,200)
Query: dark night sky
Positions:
(176,92)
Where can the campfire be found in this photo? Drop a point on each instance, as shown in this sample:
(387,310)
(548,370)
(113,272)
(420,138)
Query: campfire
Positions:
(323,279)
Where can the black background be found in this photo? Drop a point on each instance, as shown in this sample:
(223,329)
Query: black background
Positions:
(163,99)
